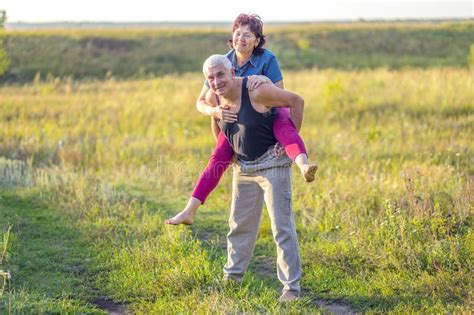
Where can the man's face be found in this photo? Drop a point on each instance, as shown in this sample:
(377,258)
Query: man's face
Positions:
(220,79)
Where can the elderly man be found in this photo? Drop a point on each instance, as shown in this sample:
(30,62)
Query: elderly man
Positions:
(259,175)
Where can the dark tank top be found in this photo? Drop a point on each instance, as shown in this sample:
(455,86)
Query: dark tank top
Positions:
(252,134)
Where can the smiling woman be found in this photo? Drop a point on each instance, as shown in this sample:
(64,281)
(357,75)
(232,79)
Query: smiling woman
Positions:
(247,37)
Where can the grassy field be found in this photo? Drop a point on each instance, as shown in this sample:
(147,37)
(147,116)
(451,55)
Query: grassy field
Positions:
(89,171)
(138,53)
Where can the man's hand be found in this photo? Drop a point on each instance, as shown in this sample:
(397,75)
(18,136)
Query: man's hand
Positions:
(223,112)
(254,81)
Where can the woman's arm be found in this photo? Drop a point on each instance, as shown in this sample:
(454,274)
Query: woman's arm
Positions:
(202,104)
(215,128)
(208,105)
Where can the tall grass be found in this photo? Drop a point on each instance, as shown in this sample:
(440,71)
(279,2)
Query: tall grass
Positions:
(4,273)
(387,226)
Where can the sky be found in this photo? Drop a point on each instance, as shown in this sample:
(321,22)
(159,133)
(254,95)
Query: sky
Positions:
(218,10)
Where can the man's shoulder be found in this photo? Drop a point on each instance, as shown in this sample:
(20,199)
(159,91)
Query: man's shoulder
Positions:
(261,91)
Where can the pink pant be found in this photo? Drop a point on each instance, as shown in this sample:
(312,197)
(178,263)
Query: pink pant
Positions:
(284,131)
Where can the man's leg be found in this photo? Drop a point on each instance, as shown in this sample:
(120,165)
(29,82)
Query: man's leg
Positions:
(244,220)
(277,188)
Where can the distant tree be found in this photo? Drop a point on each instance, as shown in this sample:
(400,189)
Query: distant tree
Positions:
(4,62)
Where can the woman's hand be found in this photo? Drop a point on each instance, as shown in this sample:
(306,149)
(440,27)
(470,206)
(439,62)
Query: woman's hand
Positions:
(223,112)
(278,149)
(254,81)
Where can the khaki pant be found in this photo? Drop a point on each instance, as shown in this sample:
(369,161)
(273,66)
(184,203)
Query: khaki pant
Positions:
(266,179)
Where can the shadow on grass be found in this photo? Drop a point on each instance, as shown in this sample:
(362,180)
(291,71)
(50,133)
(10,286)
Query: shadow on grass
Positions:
(377,303)
(392,303)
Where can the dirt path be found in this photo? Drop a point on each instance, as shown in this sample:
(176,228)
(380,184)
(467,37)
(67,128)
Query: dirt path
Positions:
(111,307)
(335,308)
(265,266)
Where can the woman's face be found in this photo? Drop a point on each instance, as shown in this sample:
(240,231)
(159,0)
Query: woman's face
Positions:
(244,40)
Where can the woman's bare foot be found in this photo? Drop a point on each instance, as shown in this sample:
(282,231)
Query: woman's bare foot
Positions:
(187,215)
(184,217)
(309,172)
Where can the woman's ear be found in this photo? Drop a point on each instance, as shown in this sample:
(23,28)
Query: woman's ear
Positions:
(256,43)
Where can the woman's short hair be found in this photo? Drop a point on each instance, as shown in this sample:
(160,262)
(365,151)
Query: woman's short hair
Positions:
(255,24)
(214,61)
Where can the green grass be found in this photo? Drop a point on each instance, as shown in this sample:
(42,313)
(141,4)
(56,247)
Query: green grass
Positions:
(132,53)
(90,171)
(46,258)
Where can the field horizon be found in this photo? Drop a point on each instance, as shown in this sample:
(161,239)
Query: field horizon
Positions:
(85,54)
(16,25)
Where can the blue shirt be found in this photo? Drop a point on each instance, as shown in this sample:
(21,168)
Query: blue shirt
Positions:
(264,64)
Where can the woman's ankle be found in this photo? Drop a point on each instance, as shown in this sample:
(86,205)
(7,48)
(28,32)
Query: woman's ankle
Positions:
(301,160)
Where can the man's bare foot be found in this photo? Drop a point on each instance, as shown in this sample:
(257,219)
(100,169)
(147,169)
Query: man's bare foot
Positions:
(309,172)
(184,217)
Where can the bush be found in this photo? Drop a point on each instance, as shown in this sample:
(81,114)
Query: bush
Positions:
(4,63)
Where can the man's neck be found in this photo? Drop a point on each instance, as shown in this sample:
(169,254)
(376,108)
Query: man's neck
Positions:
(234,94)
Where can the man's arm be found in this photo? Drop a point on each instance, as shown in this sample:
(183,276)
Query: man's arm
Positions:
(294,117)
(280,84)
(254,81)
(267,95)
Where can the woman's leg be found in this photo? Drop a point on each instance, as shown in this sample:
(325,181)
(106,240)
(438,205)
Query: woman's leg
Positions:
(285,132)
(219,161)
